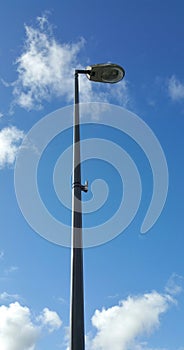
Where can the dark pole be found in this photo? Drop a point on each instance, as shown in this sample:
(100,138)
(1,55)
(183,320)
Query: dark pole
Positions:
(77,290)
(110,73)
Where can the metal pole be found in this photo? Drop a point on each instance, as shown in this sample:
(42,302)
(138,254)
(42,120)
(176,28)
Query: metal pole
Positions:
(77,290)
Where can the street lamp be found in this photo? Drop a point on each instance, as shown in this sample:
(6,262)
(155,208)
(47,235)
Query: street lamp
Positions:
(104,73)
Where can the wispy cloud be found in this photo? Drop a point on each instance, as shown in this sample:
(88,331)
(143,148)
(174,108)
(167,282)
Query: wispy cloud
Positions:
(1,255)
(46,67)
(175,284)
(175,89)
(9,297)
(115,296)
(11,269)
(10,139)
(120,93)
(61,300)
(20,329)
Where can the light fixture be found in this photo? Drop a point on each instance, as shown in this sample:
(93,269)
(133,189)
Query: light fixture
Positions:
(105,73)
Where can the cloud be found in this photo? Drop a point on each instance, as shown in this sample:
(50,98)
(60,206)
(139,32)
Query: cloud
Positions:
(61,300)
(19,330)
(175,89)
(120,93)
(120,327)
(10,139)
(9,297)
(46,70)
(174,284)
(50,319)
(1,255)
(11,269)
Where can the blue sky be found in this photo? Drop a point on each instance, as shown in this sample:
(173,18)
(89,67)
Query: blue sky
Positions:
(133,282)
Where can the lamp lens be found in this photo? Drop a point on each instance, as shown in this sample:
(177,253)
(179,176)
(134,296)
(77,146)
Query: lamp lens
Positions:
(111,75)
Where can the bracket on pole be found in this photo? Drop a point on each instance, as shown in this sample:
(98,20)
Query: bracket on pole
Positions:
(83,188)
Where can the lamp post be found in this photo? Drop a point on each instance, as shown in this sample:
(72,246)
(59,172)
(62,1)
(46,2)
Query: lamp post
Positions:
(104,73)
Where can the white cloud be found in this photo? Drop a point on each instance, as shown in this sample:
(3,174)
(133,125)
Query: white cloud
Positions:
(121,327)
(50,319)
(175,89)
(19,330)
(45,67)
(46,70)
(10,139)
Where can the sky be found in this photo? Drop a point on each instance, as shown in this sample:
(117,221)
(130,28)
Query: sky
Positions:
(132,156)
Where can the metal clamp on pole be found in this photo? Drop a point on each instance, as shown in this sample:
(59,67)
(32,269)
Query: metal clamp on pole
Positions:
(83,188)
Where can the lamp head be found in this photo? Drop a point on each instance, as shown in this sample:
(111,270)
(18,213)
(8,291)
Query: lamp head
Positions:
(105,73)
